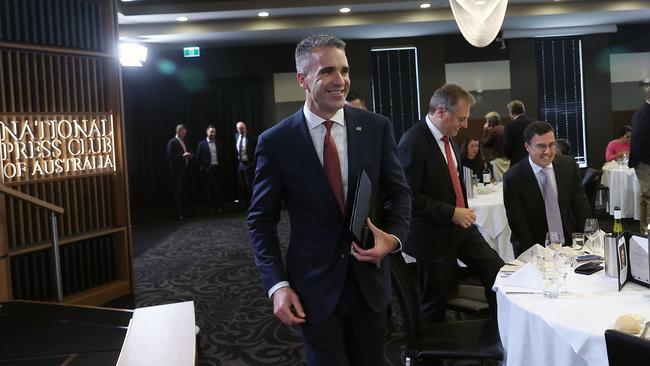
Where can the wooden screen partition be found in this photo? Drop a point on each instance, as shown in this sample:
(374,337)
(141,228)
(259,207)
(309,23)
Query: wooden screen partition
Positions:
(62,142)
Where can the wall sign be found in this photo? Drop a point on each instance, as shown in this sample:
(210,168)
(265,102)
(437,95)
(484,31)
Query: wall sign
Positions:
(42,146)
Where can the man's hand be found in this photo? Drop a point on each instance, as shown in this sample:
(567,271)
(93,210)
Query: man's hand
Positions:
(187,155)
(287,307)
(384,244)
(464,217)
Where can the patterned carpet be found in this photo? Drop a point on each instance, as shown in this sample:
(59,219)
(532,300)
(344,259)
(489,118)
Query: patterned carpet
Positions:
(210,261)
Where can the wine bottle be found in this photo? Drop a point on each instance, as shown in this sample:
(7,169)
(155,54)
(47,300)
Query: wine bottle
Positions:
(618,225)
(486,174)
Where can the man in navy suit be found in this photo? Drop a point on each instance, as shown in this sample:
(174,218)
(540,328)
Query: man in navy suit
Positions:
(179,155)
(208,155)
(245,146)
(442,226)
(335,290)
(513,132)
(543,192)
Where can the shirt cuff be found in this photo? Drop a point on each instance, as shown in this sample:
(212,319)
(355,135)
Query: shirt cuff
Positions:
(278,286)
(398,248)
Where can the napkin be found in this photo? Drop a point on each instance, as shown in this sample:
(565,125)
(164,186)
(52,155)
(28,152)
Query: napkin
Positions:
(525,277)
(527,256)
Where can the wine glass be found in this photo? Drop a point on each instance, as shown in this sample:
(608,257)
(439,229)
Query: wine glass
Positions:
(591,228)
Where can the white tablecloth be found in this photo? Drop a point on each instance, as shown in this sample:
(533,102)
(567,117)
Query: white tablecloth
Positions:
(623,189)
(492,221)
(565,331)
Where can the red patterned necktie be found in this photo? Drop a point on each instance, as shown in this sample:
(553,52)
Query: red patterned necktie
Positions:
(332,166)
(453,172)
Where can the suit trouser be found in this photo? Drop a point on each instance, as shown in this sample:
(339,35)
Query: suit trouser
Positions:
(353,335)
(245,174)
(178,179)
(212,187)
(643,175)
(438,276)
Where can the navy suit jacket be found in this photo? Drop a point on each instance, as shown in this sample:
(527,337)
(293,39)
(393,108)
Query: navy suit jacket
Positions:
(203,155)
(513,139)
(318,257)
(525,204)
(175,152)
(434,198)
(250,146)
(640,145)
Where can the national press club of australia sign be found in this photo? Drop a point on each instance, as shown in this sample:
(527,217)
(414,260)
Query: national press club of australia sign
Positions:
(34,147)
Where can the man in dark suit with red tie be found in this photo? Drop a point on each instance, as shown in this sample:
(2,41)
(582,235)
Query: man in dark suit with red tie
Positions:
(442,227)
(179,155)
(335,290)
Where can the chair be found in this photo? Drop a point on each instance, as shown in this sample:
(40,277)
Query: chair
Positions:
(625,350)
(591,185)
(466,339)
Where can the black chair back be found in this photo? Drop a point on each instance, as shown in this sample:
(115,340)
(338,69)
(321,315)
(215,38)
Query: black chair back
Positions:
(405,289)
(625,350)
(590,183)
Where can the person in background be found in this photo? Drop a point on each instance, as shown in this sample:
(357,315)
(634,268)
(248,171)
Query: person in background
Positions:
(179,155)
(354,99)
(563,146)
(513,133)
(493,145)
(442,226)
(208,155)
(245,147)
(470,156)
(543,193)
(619,146)
(336,291)
(640,157)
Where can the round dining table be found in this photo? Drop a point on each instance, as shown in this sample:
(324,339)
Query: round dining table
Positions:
(537,331)
(491,218)
(624,190)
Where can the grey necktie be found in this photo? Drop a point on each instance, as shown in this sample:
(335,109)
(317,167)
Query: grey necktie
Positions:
(553,217)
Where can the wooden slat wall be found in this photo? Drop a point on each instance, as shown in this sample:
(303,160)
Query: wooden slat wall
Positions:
(57,59)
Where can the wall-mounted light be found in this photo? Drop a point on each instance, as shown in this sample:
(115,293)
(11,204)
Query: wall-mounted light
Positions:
(132,54)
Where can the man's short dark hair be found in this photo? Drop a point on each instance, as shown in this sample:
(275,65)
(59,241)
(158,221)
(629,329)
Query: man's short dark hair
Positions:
(563,146)
(309,44)
(210,126)
(537,128)
(448,96)
(516,107)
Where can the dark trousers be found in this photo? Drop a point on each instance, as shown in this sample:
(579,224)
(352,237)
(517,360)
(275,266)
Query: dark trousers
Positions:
(352,336)
(245,174)
(211,186)
(178,179)
(438,276)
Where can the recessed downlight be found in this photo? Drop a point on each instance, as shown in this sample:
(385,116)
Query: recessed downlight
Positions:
(344,10)
(425,5)
(182,19)
(263,14)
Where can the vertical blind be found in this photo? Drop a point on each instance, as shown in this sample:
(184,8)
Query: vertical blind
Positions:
(559,64)
(395,90)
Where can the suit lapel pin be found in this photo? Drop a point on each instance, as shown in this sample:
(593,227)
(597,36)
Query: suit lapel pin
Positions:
(358,128)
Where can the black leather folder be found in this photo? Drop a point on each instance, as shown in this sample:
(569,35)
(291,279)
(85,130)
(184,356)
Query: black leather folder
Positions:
(361,210)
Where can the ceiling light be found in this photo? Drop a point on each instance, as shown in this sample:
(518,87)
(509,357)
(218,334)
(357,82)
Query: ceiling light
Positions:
(425,5)
(182,19)
(344,10)
(263,14)
(479,2)
(132,54)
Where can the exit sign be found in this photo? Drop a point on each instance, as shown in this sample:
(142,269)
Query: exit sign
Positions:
(191,52)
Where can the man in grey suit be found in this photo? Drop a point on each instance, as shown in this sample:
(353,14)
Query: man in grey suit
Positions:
(543,192)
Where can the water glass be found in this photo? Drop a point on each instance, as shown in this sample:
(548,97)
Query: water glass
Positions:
(591,228)
(552,281)
(577,241)
(553,241)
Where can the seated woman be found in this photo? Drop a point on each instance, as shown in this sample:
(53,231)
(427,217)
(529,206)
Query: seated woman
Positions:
(619,146)
(471,157)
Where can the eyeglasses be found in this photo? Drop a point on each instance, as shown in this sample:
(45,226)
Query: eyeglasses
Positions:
(542,147)
(459,118)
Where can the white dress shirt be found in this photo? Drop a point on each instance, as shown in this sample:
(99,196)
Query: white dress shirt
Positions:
(214,160)
(539,175)
(243,155)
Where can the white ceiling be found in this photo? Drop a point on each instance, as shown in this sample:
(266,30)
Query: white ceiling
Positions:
(235,22)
